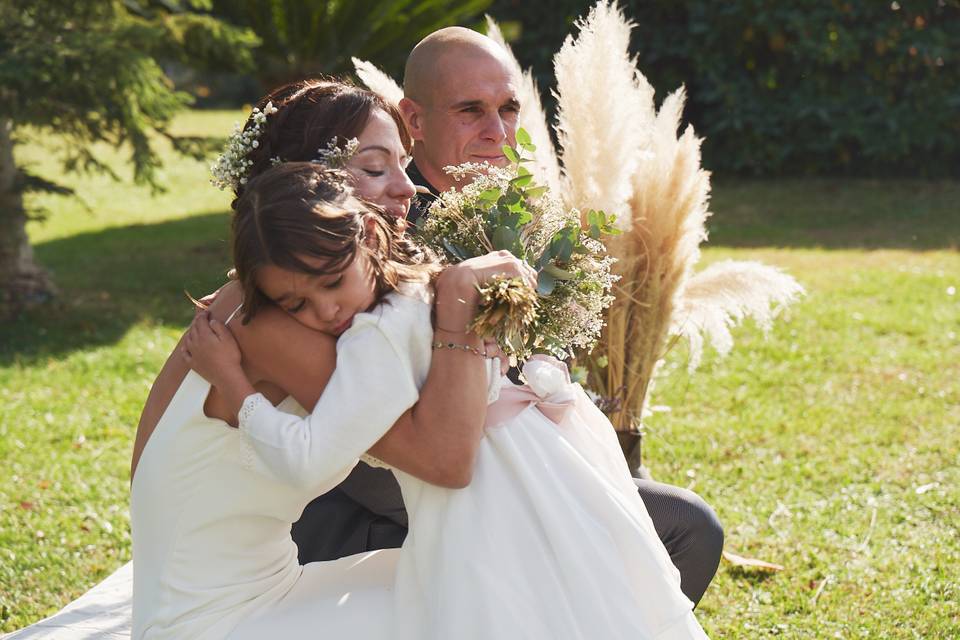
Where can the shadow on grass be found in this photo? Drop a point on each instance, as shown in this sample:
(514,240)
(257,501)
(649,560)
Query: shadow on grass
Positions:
(112,279)
(753,577)
(835,214)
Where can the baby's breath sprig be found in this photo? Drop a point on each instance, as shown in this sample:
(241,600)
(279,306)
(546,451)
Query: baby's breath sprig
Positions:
(232,167)
(336,156)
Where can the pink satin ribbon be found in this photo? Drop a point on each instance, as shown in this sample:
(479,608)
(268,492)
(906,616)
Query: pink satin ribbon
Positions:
(514,399)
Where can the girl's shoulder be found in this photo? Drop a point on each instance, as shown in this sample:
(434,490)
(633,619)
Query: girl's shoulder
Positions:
(401,311)
(421,292)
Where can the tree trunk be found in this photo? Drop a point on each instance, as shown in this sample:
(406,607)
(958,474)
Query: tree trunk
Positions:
(23,282)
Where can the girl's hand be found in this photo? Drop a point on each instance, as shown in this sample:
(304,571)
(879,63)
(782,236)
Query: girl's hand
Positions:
(211,350)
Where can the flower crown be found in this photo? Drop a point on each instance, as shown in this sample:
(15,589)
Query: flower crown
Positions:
(232,167)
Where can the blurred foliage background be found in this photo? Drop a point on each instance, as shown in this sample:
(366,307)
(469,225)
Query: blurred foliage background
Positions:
(827,87)
(821,87)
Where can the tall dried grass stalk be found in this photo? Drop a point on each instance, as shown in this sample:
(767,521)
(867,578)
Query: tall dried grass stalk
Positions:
(378,81)
(668,209)
(604,113)
(533,119)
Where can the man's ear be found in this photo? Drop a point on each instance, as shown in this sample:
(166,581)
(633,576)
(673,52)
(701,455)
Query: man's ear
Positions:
(413,117)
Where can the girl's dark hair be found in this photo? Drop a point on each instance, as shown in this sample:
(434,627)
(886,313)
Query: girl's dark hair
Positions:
(300,210)
(311,113)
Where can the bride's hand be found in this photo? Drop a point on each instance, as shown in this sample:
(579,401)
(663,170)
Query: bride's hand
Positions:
(211,350)
(456,287)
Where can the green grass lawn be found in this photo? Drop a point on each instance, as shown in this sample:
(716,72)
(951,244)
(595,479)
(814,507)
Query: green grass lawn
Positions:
(830,446)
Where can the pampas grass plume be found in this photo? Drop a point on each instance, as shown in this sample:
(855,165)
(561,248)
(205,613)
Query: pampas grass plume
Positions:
(722,296)
(545,166)
(604,111)
(378,81)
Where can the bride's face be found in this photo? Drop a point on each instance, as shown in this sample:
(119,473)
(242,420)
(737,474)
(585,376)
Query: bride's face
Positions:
(380,164)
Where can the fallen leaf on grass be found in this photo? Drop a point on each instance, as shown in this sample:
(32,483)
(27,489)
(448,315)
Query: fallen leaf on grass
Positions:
(740,561)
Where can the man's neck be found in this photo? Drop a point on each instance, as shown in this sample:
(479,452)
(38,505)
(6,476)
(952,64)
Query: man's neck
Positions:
(436,179)
(416,176)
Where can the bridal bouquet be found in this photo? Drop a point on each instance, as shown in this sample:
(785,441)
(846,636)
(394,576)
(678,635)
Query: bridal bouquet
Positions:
(502,208)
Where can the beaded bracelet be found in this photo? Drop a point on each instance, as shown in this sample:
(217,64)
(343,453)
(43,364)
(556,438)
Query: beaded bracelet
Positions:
(454,346)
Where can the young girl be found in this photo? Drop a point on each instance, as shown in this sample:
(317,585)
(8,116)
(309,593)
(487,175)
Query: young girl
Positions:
(211,522)
(549,539)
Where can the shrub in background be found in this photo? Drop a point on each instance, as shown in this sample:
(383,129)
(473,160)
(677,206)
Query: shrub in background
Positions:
(820,86)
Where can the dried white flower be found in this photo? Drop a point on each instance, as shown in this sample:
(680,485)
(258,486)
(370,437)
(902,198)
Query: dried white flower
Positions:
(231,168)
(336,156)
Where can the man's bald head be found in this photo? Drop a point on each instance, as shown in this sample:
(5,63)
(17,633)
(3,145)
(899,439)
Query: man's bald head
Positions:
(460,102)
(444,53)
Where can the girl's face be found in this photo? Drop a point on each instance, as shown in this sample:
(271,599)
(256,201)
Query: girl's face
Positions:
(380,164)
(326,303)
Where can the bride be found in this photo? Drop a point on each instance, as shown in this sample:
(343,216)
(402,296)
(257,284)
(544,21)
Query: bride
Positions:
(211,528)
(548,540)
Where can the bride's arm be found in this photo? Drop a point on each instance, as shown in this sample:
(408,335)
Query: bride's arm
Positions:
(434,440)
(172,374)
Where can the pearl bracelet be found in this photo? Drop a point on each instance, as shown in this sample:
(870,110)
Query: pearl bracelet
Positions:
(464,347)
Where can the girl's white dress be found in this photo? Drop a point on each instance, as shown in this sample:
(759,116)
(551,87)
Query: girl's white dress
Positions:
(549,541)
(212,553)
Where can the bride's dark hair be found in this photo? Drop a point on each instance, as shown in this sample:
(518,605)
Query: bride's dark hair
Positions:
(304,209)
(311,113)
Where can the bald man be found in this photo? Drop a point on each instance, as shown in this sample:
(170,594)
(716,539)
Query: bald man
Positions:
(461,105)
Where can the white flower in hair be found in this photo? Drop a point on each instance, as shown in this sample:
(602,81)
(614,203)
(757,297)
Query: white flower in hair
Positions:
(335,156)
(231,168)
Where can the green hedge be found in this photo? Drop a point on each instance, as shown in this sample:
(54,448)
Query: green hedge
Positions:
(860,87)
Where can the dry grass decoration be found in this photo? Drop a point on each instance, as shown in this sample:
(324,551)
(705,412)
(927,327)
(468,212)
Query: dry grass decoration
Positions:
(620,155)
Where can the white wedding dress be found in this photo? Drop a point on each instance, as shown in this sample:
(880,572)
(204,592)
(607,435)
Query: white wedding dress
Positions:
(550,541)
(212,553)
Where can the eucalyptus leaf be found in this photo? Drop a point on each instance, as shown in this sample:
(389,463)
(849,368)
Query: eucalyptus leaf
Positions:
(510,197)
(535,192)
(558,273)
(457,251)
(545,283)
(504,238)
(522,181)
(489,195)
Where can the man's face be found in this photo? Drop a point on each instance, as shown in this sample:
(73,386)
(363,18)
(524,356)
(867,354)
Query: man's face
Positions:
(472,112)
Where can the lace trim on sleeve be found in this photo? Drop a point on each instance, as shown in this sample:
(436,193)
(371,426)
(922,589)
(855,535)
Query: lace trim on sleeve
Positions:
(374,462)
(249,407)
